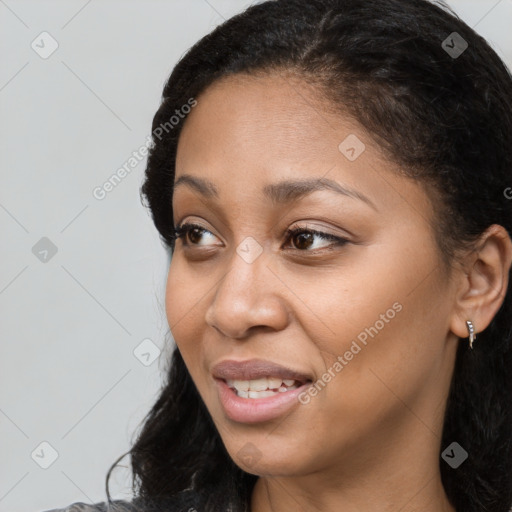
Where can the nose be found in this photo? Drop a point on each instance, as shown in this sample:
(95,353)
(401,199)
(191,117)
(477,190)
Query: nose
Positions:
(247,298)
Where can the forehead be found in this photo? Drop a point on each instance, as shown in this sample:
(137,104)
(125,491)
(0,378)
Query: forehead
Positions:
(247,133)
(258,119)
(257,126)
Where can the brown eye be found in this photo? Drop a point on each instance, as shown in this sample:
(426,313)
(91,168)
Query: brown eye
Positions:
(191,234)
(194,235)
(304,238)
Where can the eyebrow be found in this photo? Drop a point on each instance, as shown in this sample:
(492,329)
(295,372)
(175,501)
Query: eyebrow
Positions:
(280,193)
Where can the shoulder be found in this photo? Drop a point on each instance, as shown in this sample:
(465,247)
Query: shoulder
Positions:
(185,501)
(114,506)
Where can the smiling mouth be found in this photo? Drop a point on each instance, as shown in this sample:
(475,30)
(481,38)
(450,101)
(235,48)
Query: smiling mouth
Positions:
(264,387)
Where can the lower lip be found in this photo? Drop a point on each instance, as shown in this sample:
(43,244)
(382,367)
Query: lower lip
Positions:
(255,410)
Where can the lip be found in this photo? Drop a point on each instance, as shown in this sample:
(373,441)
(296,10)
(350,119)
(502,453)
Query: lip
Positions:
(256,410)
(255,369)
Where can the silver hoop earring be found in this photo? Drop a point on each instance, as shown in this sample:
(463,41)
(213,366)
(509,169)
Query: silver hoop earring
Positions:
(472,335)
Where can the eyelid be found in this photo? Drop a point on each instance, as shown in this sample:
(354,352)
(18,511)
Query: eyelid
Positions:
(337,240)
(184,228)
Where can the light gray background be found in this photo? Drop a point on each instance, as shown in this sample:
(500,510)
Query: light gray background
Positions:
(69,325)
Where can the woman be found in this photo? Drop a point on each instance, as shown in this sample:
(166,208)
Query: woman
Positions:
(333,180)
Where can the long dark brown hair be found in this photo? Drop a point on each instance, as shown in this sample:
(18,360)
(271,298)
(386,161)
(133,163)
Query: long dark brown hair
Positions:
(444,119)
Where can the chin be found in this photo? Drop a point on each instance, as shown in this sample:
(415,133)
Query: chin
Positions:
(259,455)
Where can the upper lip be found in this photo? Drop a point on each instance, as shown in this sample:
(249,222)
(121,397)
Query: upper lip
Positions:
(251,369)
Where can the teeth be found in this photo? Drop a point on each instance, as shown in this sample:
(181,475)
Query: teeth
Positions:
(241,385)
(274,382)
(262,388)
(261,394)
(258,385)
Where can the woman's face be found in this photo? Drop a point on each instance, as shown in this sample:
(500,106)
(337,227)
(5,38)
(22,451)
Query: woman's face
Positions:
(361,312)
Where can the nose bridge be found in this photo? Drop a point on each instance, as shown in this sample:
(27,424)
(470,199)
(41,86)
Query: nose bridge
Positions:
(246,296)
(241,286)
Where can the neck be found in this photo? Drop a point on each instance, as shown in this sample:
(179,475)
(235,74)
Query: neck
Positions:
(406,477)
(285,494)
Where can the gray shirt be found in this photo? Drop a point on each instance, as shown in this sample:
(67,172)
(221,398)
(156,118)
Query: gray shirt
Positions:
(186,501)
(116,506)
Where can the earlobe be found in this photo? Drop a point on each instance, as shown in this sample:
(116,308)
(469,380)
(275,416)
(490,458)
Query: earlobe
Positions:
(471,331)
(484,283)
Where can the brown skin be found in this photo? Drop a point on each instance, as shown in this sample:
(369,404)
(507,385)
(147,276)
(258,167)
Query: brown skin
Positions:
(371,439)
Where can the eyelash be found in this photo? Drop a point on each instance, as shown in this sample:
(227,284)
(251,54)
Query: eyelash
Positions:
(184,229)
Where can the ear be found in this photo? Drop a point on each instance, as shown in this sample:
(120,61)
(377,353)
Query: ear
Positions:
(484,281)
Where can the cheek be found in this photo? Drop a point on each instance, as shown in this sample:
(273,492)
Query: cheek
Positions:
(184,297)
(174,294)
(383,312)
(183,302)
(391,343)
